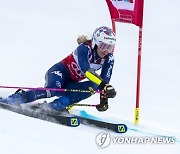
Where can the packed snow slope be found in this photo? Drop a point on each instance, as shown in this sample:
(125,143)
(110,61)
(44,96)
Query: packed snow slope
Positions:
(34,35)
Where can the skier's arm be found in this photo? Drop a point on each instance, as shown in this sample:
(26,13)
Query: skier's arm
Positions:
(106,72)
(107,68)
(84,64)
(94,77)
(83,61)
(108,90)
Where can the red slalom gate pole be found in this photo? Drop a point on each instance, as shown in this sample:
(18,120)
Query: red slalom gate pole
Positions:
(136,120)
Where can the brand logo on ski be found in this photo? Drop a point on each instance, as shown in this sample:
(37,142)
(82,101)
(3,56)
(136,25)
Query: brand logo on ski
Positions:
(121,128)
(74,122)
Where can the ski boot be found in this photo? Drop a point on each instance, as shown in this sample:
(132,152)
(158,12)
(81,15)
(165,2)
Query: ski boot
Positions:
(19,97)
(55,107)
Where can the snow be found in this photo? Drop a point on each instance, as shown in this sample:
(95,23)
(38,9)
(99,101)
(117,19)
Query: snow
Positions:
(34,35)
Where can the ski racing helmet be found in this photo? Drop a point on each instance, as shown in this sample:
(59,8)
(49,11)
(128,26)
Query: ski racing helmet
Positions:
(104,38)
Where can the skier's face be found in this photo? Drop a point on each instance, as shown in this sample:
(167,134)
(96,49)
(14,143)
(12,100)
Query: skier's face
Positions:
(102,53)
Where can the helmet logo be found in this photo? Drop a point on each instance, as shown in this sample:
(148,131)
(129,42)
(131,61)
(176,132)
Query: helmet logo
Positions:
(109,38)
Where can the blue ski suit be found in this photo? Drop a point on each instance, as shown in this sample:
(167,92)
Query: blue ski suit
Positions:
(69,73)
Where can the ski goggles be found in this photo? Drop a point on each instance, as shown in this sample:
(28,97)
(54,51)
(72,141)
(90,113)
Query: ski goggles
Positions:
(105,47)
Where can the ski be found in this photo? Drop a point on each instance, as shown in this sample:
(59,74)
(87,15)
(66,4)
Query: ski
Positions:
(118,128)
(115,127)
(47,114)
(69,120)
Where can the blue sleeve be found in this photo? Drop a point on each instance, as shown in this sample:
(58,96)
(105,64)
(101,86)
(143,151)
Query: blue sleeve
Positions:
(83,59)
(107,68)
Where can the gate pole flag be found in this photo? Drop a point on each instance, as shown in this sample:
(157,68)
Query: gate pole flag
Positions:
(130,11)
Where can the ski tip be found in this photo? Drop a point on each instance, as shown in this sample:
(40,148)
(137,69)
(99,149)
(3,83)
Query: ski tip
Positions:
(121,128)
(74,122)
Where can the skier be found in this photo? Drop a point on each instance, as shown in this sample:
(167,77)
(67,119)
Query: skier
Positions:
(90,56)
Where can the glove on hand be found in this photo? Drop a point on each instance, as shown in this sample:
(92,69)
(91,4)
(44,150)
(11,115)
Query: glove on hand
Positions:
(109,91)
(103,106)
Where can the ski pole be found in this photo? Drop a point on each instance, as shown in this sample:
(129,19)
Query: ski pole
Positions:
(91,105)
(55,89)
(69,107)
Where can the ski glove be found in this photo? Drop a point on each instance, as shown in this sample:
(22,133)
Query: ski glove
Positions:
(107,90)
(103,106)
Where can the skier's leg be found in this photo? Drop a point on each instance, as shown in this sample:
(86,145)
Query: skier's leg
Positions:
(73,97)
(76,97)
(55,77)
